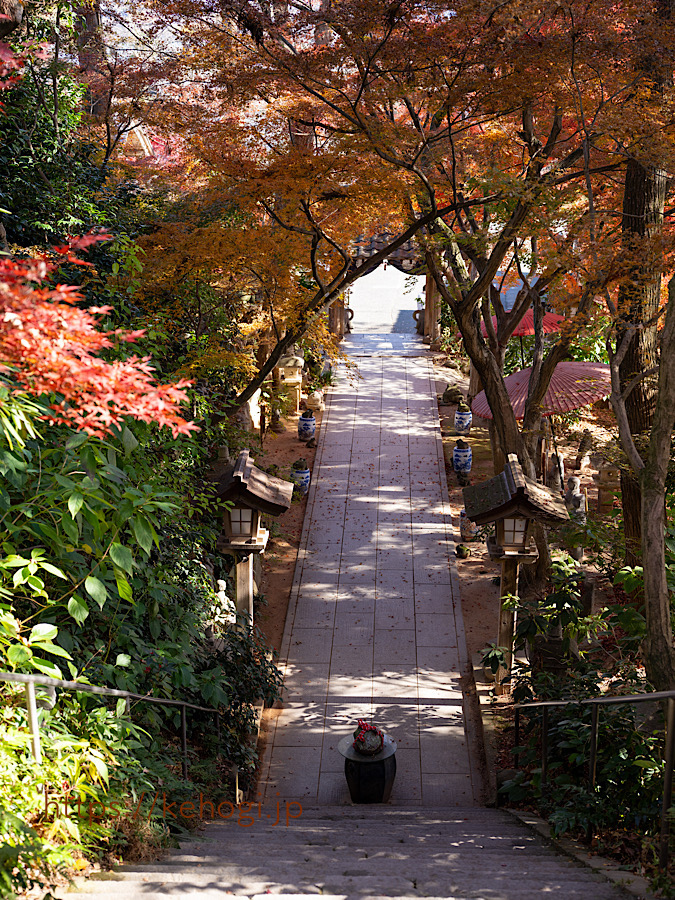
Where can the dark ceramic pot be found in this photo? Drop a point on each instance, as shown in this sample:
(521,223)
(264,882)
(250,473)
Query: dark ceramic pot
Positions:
(369,778)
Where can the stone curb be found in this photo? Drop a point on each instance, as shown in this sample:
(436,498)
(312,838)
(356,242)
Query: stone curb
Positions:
(634,885)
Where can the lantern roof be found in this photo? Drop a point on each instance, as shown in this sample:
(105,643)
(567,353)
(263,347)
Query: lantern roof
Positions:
(291,362)
(512,493)
(248,485)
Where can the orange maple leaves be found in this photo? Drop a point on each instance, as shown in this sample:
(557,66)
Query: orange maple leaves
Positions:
(48,345)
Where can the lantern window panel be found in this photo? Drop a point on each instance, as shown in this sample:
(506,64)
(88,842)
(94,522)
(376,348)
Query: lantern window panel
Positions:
(515,531)
(241,520)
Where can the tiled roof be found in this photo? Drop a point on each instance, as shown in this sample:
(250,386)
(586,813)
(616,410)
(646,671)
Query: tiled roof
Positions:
(407,258)
(247,483)
(512,492)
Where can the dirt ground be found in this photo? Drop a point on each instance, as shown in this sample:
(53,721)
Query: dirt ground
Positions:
(280,557)
(282,450)
(480,595)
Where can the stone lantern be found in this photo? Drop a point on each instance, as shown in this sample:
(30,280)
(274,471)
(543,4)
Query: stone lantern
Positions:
(248,492)
(290,372)
(512,501)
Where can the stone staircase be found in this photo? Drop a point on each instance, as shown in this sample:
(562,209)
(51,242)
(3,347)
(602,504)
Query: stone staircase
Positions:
(360,853)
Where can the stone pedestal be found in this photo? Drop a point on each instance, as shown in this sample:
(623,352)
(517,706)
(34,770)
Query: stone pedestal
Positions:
(608,485)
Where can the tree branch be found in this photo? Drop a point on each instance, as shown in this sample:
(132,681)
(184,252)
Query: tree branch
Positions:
(619,407)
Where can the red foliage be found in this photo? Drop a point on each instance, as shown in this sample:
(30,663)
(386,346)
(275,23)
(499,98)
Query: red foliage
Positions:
(48,345)
(10,65)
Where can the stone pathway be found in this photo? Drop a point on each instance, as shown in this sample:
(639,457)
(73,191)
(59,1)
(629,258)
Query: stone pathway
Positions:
(374,628)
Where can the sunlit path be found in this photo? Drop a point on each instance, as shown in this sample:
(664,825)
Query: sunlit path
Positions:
(374,627)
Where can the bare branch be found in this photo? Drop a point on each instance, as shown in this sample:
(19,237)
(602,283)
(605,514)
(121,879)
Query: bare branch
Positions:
(625,344)
(635,381)
(619,407)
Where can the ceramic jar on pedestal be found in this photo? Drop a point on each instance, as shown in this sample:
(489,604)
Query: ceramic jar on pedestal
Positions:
(301,475)
(306,425)
(461,457)
(463,419)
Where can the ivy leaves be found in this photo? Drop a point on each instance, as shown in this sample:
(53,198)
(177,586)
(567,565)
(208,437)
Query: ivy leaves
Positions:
(97,521)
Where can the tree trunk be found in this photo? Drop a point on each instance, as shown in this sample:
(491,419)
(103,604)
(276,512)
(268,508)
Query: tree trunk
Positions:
(12,14)
(92,57)
(658,644)
(643,205)
(657,648)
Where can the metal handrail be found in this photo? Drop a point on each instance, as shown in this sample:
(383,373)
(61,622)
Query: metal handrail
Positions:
(29,681)
(595,703)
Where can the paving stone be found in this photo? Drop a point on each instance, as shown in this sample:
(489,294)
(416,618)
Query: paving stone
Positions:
(351,635)
(398,559)
(312,611)
(435,629)
(305,680)
(362,580)
(397,644)
(396,681)
(345,685)
(311,644)
(394,584)
(395,613)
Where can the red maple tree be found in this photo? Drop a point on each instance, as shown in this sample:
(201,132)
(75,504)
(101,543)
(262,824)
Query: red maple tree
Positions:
(48,343)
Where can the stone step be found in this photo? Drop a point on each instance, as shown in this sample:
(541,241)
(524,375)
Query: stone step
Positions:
(411,870)
(366,854)
(420,815)
(353,825)
(310,869)
(493,885)
(392,823)
(157,891)
(438,855)
(381,812)
(243,839)
(231,830)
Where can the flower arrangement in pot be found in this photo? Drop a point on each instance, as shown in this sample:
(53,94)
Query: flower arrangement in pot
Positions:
(368,740)
(370,763)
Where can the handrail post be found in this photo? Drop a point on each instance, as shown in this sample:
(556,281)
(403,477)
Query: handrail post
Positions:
(544,746)
(33,721)
(183,739)
(516,737)
(667,785)
(217,733)
(593,760)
